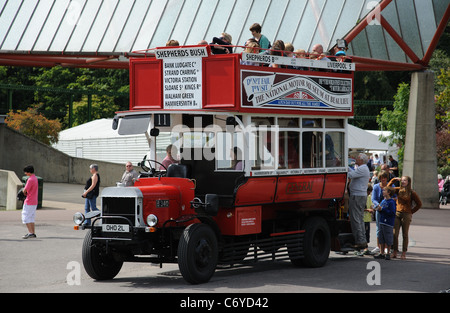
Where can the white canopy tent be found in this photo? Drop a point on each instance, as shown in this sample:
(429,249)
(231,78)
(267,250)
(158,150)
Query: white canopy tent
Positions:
(363,140)
(368,141)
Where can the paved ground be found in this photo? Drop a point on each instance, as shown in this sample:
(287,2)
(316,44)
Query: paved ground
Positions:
(24,267)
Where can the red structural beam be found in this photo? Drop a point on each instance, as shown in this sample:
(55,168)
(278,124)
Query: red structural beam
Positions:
(368,64)
(387,65)
(439,31)
(399,40)
(369,18)
(67,61)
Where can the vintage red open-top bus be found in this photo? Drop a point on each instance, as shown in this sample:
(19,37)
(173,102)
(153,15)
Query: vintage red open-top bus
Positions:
(260,149)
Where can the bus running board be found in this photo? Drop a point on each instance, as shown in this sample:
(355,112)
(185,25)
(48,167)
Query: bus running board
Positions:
(279,248)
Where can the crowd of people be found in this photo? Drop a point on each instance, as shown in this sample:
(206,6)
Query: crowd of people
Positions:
(259,43)
(386,196)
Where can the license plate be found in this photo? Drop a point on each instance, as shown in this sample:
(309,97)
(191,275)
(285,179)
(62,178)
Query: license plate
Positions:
(116,228)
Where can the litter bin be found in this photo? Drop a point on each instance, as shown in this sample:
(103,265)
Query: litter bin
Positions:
(40,188)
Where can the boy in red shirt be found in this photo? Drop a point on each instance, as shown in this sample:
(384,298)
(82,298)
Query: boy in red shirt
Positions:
(31,202)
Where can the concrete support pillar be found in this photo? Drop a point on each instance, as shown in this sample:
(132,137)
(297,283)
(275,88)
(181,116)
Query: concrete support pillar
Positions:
(420,161)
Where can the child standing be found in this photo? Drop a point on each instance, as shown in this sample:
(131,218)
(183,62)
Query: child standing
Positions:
(387,210)
(368,216)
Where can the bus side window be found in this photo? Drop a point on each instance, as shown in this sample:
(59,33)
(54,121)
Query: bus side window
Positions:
(312,149)
(289,149)
(262,154)
(334,148)
(229,154)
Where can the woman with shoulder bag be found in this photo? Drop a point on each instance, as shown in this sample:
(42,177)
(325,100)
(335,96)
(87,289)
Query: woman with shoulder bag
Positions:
(91,191)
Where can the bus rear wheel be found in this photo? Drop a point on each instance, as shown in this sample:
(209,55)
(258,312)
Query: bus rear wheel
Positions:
(316,242)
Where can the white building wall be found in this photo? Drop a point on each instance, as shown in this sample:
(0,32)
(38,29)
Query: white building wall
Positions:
(116,150)
(97,140)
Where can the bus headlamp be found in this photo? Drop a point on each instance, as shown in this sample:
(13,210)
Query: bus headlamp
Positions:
(78,218)
(152,220)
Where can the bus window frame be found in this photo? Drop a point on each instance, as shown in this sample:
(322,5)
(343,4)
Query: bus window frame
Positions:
(252,138)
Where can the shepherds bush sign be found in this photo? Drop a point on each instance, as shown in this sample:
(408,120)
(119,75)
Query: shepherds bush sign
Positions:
(182,77)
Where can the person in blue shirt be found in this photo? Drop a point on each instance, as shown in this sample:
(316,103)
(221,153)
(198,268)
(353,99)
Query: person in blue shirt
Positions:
(262,40)
(377,197)
(387,209)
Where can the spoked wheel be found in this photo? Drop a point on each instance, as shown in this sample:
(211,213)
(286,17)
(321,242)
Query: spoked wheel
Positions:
(198,253)
(97,263)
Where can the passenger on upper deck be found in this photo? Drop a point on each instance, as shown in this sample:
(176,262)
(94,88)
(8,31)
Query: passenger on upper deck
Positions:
(317,53)
(277,49)
(251,40)
(217,44)
(300,54)
(340,46)
(256,33)
(340,56)
(251,47)
(172,43)
(289,50)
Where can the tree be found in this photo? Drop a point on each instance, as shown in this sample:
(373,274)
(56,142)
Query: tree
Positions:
(34,125)
(442,121)
(63,85)
(395,121)
(373,86)
(79,79)
(102,107)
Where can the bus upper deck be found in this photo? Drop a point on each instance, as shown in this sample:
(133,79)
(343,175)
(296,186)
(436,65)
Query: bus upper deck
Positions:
(190,78)
(226,118)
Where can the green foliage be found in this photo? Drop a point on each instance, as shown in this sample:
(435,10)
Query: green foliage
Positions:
(102,107)
(443,99)
(375,86)
(395,120)
(35,125)
(443,118)
(103,84)
(53,105)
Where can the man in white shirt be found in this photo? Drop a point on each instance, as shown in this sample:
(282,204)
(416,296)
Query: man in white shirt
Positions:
(359,180)
(129,176)
(376,161)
